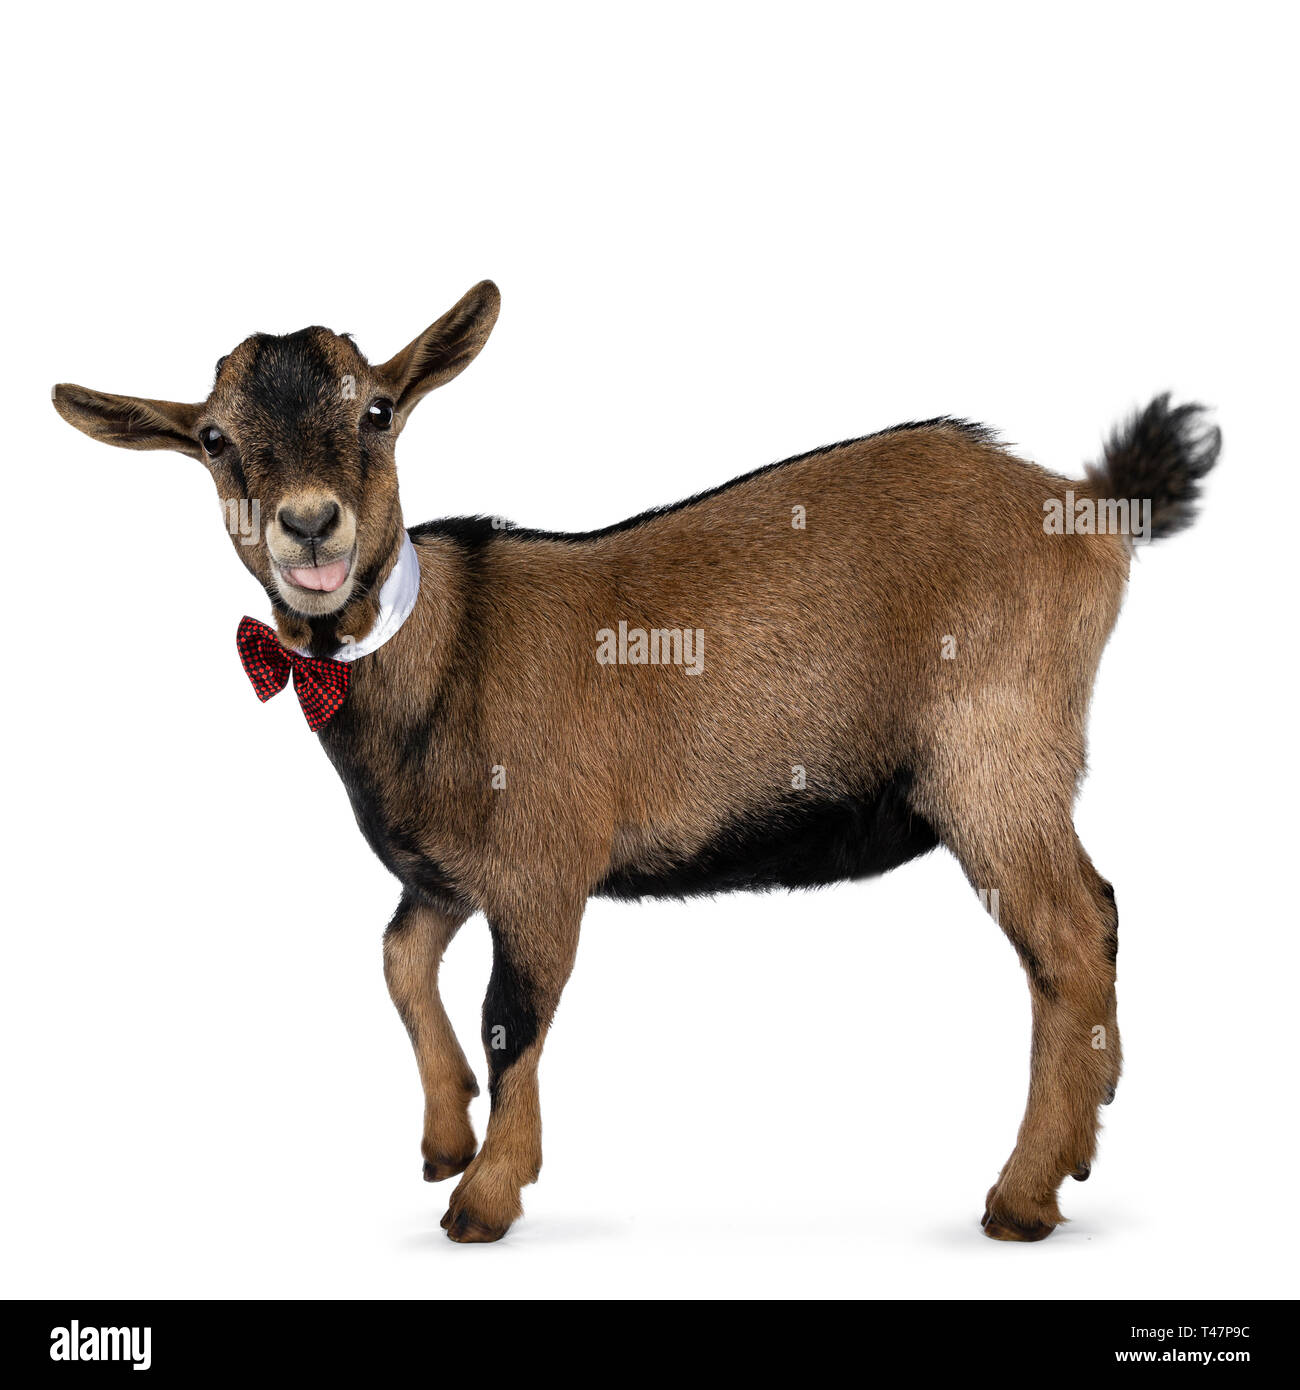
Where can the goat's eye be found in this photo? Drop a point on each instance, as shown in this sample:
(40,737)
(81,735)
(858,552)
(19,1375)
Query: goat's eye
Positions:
(213,441)
(380,415)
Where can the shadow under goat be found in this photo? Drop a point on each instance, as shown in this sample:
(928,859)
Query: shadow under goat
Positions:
(815,672)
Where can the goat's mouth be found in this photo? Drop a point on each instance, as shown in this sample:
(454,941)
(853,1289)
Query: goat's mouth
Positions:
(320,579)
(316,589)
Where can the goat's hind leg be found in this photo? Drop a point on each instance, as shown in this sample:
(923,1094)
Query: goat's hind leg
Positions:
(1103,894)
(1017,837)
(413,948)
(1060,929)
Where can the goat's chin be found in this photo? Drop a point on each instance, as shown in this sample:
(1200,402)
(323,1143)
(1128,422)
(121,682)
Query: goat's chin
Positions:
(313,603)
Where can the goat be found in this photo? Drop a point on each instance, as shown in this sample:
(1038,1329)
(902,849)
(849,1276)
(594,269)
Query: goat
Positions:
(893,645)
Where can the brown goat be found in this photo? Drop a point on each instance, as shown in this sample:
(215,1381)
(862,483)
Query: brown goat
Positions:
(815,672)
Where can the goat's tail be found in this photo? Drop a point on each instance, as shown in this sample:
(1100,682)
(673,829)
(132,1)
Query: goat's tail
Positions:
(1159,455)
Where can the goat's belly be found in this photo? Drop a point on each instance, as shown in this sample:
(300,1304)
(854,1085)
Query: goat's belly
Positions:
(802,842)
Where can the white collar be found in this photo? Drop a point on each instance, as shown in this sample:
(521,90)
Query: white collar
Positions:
(396,600)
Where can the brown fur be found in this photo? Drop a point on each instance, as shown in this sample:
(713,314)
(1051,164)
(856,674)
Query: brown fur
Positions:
(825,650)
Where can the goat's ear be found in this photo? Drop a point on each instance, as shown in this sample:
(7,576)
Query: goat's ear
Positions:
(130,422)
(445,349)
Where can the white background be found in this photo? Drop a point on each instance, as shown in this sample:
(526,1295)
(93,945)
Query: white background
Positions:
(723,234)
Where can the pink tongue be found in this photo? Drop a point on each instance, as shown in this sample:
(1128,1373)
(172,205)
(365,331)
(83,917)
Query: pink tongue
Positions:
(326,578)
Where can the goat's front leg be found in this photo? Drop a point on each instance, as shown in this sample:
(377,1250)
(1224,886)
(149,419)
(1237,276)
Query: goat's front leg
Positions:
(533,953)
(413,948)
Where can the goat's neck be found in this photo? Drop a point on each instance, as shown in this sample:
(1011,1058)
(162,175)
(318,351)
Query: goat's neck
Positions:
(387,731)
(410,669)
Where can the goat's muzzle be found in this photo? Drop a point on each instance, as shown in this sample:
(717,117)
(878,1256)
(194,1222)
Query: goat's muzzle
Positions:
(312,545)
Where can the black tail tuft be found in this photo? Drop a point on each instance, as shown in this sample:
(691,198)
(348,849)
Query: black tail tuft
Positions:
(1161,454)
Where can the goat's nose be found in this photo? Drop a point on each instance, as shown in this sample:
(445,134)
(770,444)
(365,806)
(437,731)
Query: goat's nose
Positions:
(309,523)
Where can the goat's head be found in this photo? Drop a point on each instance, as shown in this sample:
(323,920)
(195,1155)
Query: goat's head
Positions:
(303,427)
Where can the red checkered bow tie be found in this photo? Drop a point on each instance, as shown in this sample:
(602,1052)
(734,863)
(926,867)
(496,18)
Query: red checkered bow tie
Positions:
(321,684)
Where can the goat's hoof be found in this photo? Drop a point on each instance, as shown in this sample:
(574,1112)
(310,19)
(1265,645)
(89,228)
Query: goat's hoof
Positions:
(464,1230)
(1109,1096)
(484,1205)
(440,1166)
(999,1225)
(1082,1173)
(1003,1228)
